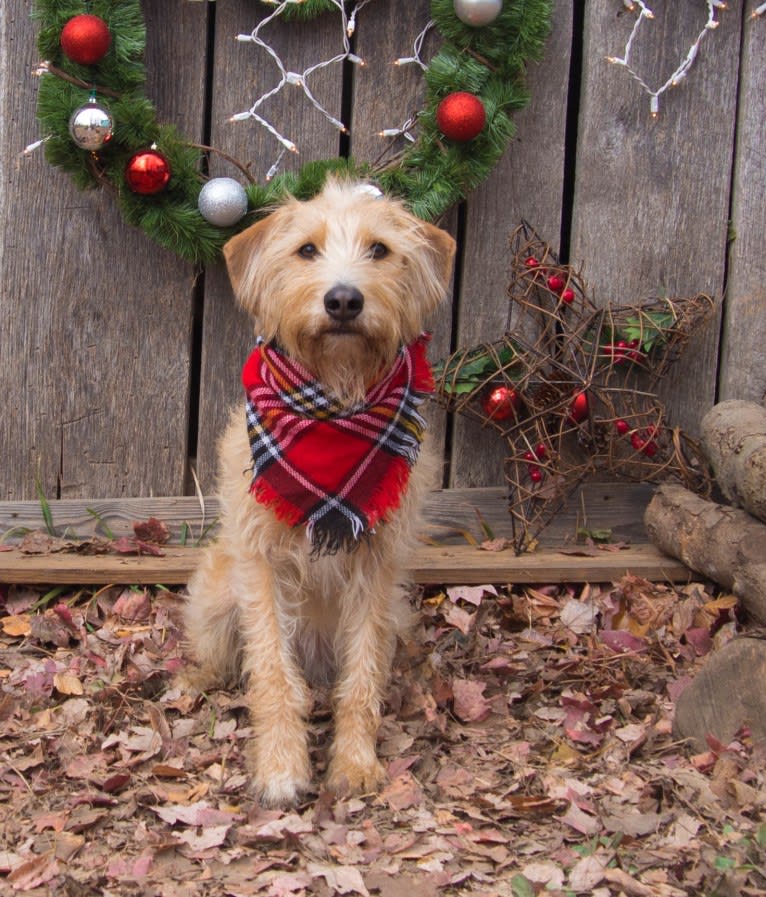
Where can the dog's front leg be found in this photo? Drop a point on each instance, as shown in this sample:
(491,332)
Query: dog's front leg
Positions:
(367,641)
(277,694)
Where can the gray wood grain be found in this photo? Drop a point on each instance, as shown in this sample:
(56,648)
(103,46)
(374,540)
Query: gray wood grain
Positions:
(94,319)
(528,183)
(242,72)
(742,371)
(652,196)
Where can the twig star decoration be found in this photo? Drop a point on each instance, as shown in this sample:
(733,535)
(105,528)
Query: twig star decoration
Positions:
(571,387)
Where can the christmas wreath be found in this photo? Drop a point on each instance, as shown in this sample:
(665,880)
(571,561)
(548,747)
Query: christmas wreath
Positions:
(99,126)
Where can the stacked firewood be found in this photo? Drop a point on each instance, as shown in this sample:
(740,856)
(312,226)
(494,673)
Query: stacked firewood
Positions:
(726,542)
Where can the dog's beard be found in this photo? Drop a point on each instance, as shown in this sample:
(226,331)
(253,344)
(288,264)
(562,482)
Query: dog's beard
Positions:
(347,363)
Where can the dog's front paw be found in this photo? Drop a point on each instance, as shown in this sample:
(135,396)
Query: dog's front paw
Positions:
(199,678)
(279,780)
(345,777)
(279,792)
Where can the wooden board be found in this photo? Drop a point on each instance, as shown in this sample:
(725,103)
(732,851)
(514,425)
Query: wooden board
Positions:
(742,373)
(527,184)
(455,522)
(385,96)
(94,319)
(462,564)
(652,196)
(450,515)
(228,334)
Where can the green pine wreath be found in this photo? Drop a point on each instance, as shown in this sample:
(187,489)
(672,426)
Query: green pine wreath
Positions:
(430,176)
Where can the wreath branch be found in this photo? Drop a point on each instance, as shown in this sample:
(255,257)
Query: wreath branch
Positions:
(245,169)
(47,68)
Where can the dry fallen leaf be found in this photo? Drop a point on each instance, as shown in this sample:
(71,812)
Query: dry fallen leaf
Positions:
(68,684)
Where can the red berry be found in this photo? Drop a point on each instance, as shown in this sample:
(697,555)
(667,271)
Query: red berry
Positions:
(650,449)
(637,441)
(540,450)
(568,296)
(531,262)
(622,427)
(555,283)
(529,456)
(633,344)
(535,474)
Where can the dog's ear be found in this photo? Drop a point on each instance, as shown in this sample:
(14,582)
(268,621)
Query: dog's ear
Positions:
(435,275)
(241,255)
(443,248)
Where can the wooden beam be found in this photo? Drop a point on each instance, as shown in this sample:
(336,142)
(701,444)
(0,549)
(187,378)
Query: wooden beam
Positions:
(454,564)
(452,520)
(448,514)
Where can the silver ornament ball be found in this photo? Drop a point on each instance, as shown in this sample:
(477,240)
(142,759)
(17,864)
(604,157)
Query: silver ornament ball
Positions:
(222,201)
(478,12)
(91,126)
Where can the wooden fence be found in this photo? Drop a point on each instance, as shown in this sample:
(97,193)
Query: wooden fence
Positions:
(117,360)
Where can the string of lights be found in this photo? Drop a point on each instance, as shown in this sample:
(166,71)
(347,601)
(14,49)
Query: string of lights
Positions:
(645,14)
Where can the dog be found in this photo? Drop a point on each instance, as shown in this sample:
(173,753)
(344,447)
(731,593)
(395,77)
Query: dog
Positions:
(291,593)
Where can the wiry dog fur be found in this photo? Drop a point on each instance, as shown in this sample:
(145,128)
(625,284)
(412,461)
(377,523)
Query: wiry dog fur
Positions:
(259,604)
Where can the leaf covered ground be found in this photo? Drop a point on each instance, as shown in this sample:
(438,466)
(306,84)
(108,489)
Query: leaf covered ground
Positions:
(527,736)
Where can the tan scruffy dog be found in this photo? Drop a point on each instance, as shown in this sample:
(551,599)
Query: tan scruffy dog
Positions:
(318,487)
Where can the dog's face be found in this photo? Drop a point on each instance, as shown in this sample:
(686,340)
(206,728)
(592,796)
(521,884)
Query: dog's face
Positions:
(341,282)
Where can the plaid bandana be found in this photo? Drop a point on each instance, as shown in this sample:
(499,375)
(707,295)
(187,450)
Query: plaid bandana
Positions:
(338,470)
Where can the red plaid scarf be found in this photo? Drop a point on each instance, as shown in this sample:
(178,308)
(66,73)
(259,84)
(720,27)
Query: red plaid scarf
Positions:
(338,470)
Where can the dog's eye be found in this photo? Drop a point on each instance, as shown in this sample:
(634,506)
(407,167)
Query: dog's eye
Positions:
(308,251)
(378,251)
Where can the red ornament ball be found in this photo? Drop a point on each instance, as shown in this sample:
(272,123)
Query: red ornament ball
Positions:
(568,296)
(86,39)
(500,402)
(622,426)
(147,172)
(579,408)
(531,262)
(460,116)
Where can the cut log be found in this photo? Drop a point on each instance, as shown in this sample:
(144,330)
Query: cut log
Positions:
(726,695)
(722,543)
(734,439)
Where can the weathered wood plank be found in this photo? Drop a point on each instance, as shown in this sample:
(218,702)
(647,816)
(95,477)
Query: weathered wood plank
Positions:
(94,318)
(242,72)
(449,514)
(742,373)
(528,183)
(457,564)
(651,196)
(385,96)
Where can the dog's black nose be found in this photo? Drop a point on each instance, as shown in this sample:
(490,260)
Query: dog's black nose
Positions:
(343,303)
